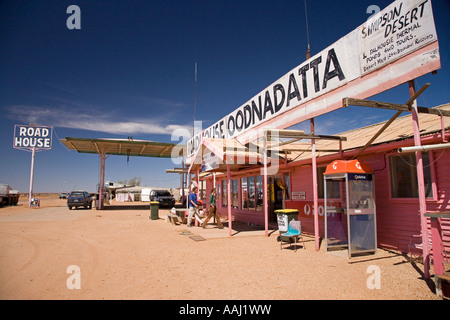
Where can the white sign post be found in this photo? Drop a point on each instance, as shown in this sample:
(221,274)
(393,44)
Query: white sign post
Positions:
(32,138)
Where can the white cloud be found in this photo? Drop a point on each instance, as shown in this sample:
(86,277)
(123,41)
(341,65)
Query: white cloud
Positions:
(90,119)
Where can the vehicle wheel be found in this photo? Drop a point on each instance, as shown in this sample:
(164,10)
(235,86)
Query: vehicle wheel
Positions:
(70,207)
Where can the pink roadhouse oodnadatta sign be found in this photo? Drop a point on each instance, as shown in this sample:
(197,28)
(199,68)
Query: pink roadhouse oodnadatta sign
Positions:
(396,45)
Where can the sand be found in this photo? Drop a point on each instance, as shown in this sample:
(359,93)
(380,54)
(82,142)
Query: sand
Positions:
(122,254)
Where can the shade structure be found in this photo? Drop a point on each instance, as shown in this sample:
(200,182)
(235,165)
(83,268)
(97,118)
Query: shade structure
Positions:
(123,147)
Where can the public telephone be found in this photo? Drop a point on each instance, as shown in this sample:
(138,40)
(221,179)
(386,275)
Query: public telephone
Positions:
(355,227)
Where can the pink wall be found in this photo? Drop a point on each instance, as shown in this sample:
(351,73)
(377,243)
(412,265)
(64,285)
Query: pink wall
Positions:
(397,219)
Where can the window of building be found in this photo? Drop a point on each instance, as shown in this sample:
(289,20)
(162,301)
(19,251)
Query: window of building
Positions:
(224,193)
(235,193)
(251,193)
(259,193)
(403,176)
(244,196)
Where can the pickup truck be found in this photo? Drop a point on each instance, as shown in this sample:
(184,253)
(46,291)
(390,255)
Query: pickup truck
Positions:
(8,197)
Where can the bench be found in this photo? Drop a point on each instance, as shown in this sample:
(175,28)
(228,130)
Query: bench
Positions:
(174,219)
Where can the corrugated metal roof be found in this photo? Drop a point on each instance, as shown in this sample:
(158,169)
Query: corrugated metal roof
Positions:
(122,147)
(400,129)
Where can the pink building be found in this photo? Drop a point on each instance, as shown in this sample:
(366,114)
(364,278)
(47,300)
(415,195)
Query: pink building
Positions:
(395,180)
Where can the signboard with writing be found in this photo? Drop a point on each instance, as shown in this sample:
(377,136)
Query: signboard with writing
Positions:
(394,46)
(210,162)
(298,195)
(29,137)
(401,28)
(306,208)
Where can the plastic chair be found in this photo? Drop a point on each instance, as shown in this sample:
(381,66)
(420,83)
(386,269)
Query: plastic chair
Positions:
(186,215)
(294,232)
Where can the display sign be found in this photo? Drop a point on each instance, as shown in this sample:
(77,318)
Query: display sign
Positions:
(298,195)
(210,162)
(401,28)
(358,176)
(394,46)
(31,137)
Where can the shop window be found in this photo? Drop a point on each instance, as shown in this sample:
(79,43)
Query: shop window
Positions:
(259,193)
(244,191)
(224,193)
(218,187)
(251,192)
(235,193)
(403,176)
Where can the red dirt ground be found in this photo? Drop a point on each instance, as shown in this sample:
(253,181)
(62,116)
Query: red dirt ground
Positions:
(122,254)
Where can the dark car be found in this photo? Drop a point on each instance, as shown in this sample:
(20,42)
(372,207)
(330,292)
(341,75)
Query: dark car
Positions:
(163,197)
(79,199)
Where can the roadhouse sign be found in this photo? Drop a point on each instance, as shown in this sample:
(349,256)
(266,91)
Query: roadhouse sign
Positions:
(29,137)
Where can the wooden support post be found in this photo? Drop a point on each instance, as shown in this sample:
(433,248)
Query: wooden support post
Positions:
(229,199)
(102,179)
(421,183)
(376,135)
(265,200)
(315,195)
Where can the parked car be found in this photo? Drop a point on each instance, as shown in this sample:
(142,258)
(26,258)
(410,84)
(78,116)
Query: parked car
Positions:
(79,199)
(63,195)
(163,197)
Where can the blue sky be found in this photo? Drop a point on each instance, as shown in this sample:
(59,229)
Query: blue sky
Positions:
(129,71)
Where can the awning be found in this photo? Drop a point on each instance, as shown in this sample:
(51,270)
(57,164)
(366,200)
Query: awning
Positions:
(122,147)
(225,152)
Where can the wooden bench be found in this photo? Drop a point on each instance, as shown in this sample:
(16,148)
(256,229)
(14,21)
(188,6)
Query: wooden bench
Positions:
(174,219)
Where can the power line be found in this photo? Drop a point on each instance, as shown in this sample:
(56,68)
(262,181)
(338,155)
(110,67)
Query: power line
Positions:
(195,99)
(307,30)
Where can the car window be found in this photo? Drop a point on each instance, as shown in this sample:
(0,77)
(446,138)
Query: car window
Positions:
(163,193)
(76,194)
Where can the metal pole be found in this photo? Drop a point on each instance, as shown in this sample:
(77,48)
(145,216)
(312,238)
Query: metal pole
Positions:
(265,200)
(421,184)
(424,148)
(315,195)
(102,180)
(182,184)
(229,198)
(30,194)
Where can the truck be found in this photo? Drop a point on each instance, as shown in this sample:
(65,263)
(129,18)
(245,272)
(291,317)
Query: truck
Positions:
(8,196)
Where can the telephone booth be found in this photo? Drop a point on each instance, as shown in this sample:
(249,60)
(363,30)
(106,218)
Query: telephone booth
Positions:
(353,225)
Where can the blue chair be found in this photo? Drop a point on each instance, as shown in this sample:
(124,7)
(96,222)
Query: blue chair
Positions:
(294,232)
